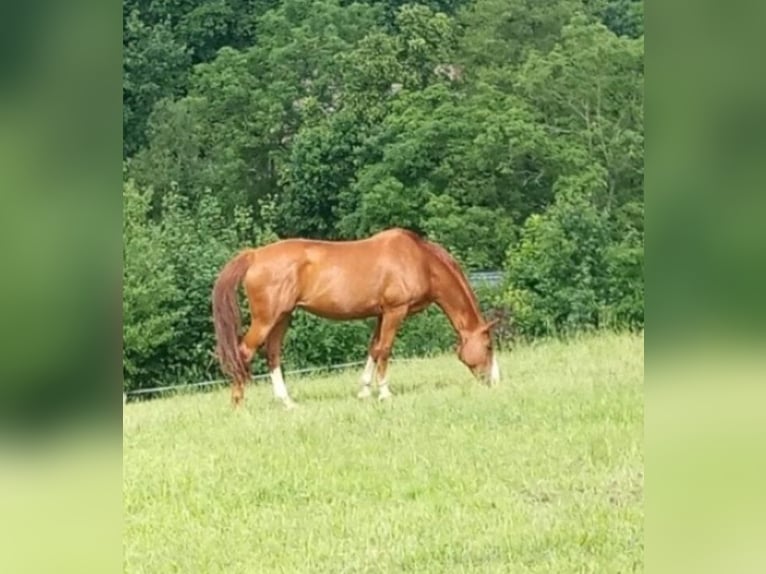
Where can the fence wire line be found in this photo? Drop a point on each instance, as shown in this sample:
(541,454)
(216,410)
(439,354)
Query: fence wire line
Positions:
(259,377)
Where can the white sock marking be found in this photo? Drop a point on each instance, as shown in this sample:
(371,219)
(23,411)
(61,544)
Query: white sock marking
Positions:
(383,390)
(366,379)
(369,370)
(278,383)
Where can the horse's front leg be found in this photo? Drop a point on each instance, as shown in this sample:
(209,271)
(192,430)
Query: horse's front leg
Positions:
(369,369)
(392,320)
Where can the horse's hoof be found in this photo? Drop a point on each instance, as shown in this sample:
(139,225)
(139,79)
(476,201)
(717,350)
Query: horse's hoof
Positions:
(365,393)
(289,405)
(384,394)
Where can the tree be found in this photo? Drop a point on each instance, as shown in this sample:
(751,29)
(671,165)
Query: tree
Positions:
(510,131)
(573,269)
(151,301)
(446,157)
(498,34)
(155,66)
(588,94)
(234,129)
(623,17)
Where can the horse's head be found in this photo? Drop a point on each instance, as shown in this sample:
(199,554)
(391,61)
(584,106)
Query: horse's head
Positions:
(476,352)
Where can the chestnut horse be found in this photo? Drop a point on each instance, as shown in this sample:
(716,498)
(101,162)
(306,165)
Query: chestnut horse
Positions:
(390,275)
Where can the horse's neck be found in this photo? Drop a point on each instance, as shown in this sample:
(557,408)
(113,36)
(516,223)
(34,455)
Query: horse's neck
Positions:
(456,301)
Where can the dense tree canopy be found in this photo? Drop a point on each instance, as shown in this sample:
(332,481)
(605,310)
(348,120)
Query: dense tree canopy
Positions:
(511,131)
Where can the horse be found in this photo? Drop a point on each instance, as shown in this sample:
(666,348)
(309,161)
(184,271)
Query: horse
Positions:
(390,275)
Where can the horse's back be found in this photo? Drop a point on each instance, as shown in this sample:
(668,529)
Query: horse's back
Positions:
(344,279)
(390,244)
(392,237)
(390,251)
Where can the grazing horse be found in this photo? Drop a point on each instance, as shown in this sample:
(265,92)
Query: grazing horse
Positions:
(390,275)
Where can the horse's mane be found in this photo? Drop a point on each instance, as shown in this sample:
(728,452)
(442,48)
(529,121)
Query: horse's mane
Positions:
(449,262)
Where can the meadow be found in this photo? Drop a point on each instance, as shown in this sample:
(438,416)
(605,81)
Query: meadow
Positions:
(543,473)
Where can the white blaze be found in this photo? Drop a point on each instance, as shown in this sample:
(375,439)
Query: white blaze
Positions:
(494,375)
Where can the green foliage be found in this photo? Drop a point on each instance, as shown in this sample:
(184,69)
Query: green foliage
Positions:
(567,273)
(499,34)
(169,269)
(445,170)
(320,166)
(151,301)
(510,131)
(588,93)
(155,66)
(199,242)
(623,17)
(465,232)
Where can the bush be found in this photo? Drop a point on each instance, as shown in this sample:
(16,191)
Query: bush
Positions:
(151,301)
(567,273)
(199,241)
(169,270)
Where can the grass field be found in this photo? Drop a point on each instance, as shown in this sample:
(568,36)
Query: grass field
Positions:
(541,474)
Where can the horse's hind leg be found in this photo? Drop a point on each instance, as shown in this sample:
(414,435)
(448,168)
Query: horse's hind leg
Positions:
(249,344)
(237,391)
(274,360)
(369,368)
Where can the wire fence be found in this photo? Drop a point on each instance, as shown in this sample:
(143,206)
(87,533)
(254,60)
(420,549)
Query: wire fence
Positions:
(492,278)
(150,391)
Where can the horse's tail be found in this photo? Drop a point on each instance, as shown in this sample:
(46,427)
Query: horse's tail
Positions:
(226,316)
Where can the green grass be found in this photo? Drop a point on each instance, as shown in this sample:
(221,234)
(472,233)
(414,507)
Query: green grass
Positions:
(541,474)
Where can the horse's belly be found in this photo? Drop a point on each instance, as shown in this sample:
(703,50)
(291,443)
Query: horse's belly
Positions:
(339,311)
(359,287)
